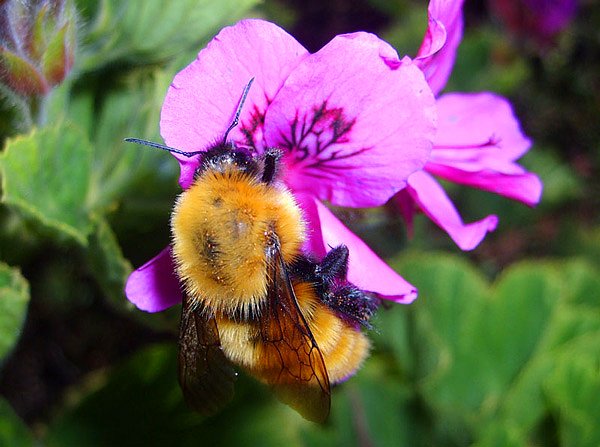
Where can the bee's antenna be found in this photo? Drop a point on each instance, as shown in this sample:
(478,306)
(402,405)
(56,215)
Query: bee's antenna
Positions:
(238,112)
(235,122)
(163,147)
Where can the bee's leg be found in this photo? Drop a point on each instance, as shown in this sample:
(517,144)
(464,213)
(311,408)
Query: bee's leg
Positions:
(270,164)
(352,303)
(345,298)
(324,274)
(334,265)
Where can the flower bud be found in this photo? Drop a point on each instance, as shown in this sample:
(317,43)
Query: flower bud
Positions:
(37,44)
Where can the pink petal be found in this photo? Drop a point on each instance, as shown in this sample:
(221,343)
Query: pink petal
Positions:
(365,269)
(356,122)
(154,286)
(526,188)
(406,205)
(433,40)
(478,131)
(201,101)
(434,202)
(438,49)
(477,144)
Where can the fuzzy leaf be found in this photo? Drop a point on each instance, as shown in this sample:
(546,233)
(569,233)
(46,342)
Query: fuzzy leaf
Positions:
(46,175)
(14,299)
(123,30)
(132,111)
(107,263)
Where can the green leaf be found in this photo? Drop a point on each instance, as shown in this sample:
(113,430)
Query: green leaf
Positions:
(13,432)
(580,240)
(502,436)
(583,283)
(484,353)
(107,264)
(379,408)
(513,323)
(14,299)
(142,403)
(488,365)
(561,183)
(130,111)
(46,175)
(123,30)
(486,61)
(75,107)
(407,33)
(111,269)
(445,285)
(573,319)
(139,393)
(392,335)
(573,390)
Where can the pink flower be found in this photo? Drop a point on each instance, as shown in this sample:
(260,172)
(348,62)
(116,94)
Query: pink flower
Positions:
(477,143)
(354,120)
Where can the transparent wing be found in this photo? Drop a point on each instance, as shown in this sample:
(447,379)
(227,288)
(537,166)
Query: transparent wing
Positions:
(292,363)
(206,376)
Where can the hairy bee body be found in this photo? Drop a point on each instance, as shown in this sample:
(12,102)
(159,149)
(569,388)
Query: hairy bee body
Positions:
(220,228)
(343,346)
(237,237)
(251,297)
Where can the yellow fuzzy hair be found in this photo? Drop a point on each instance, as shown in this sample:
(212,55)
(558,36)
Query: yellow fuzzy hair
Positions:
(220,228)
(343,346)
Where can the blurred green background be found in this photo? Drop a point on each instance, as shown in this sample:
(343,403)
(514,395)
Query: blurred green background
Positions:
(502,348)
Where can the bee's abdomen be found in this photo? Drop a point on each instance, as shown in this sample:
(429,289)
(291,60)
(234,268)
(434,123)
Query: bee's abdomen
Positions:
(343,346)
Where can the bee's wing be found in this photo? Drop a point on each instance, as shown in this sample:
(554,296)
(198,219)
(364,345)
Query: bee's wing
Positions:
(206,376)
(292,365)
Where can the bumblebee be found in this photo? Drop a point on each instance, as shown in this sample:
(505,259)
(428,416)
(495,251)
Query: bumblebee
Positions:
(251,297)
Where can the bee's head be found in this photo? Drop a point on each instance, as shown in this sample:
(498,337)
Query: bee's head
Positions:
(226,157)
